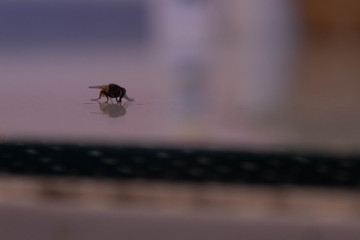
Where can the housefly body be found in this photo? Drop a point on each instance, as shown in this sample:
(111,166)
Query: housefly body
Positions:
(112,91)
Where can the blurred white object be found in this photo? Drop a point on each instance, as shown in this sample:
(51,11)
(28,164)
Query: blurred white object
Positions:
(268,44)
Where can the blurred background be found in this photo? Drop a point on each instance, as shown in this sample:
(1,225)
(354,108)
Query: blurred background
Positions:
(202,72)
(235,74)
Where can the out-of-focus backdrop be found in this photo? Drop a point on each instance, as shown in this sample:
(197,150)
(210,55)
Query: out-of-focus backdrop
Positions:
(239,75)
(202,72)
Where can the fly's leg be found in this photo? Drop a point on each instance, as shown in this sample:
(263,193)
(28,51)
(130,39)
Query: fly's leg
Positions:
(97,98)
(103,93)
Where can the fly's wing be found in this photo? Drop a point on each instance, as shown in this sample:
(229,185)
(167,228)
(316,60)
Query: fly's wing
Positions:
(99,87)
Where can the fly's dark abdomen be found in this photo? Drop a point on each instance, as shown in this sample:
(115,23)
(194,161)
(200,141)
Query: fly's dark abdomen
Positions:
(114,90)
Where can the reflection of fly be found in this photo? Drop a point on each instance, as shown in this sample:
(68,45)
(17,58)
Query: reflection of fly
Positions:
(112,110)
(112,91)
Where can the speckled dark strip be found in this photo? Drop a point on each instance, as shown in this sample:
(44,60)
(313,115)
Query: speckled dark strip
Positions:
(162,164)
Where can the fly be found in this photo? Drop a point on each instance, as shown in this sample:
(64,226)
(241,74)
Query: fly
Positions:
(112,91)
